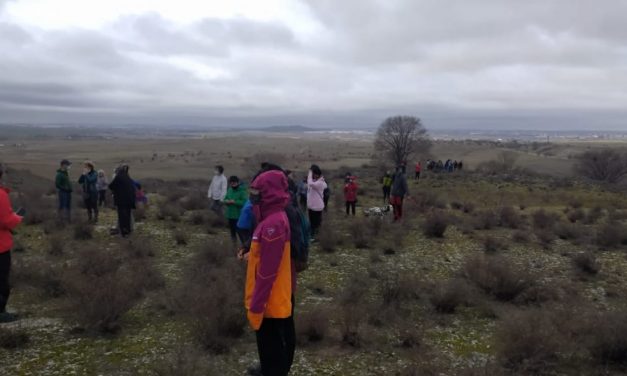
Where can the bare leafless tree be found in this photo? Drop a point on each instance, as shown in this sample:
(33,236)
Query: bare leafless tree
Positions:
(607,165)
(400,137)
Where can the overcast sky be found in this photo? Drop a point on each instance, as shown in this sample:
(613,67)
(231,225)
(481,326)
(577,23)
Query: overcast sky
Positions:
(480,63)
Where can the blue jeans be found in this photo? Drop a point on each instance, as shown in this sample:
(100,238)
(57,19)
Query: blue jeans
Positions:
(65,200)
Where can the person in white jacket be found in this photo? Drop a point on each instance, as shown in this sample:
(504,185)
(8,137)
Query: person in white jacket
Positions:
(217,190)
(315,198)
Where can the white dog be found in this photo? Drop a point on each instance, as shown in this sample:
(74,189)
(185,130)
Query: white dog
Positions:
(379,212)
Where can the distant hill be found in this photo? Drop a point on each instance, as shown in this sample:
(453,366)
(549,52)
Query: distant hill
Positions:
(288,129)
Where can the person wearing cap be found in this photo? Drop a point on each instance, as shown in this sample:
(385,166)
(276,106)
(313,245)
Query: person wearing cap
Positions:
(123,189)
(271,276)
(234,200)
(64,190)
(88,182)
(8,221)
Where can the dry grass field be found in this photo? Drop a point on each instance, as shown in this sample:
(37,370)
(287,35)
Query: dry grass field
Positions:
(511,273)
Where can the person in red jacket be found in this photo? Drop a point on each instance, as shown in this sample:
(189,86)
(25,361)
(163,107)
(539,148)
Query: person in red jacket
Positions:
(418,171)
(350,195)
(8,221)
(271,276)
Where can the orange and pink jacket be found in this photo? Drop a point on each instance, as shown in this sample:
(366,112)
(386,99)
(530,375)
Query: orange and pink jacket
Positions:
(8,221)
(270,276)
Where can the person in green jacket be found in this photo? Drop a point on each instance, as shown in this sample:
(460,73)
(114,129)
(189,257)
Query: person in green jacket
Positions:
(235,198)
(64,190)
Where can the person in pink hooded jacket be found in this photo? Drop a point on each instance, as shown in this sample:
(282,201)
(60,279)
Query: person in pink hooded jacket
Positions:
(8,221)
(315,198)
(271,276)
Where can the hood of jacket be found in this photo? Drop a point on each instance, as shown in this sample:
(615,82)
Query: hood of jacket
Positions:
(272,187)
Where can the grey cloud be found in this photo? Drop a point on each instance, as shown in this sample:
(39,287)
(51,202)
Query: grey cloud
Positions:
(452,62)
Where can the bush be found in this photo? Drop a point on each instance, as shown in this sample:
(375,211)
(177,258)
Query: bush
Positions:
(570,231)
(496,276)
(492,244)
(83,231)
(528,342)
(508,217)
(521,237)
(194,201)
(543,220)
(139,247)
(312,326)
(360,237)
(485,220)
(209,296)
(351,311)
(398,288)
(169,211)
(101,275)
(139,214)
(593,216)
(435,225)
(611,235)
(13,338)
(577,215)
(605,165)
(328,239)
(608,342)
(586,262)
(180,237)
(545,237)
(447,296)
(56,244)
(184,360)
(198,218)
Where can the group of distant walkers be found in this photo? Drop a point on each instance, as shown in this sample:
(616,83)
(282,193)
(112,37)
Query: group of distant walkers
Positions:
(448,166)
(274,218)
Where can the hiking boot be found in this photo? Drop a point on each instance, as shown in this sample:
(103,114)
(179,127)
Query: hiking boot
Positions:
(6,317)
(254,370)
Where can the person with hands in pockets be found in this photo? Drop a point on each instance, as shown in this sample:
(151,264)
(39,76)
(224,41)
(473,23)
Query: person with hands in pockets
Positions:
(271,277)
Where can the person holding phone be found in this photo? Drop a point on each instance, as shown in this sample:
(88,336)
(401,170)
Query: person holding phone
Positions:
(9,220)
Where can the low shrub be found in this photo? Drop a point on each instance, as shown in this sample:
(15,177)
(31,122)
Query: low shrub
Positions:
(594,215)
(608,338)
(360,237)
(493,244)
(586,262)
(198,218)
(508,217)
(527,342)
(194,201)
(448,295)
(611,235)
(140,214)
(544,220)
(352,311)
(13,338)
(521,237)
(485,220)
(56,244)
(435,225)
(312,326)
(577,215)
(169,211)
(105,275)
(83,231)
(396,289)
(328,238)
(180,237)
(496,276)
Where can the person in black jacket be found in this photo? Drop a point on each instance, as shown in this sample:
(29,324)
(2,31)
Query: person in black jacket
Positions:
(123,190)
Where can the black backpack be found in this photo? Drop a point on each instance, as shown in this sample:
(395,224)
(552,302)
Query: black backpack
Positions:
(299,239)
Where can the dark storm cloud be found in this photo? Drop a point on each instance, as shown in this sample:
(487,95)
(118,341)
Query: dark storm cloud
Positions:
(453,62)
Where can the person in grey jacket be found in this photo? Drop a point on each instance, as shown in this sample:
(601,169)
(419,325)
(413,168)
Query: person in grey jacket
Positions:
(399,191)
(102,185)
(217,190)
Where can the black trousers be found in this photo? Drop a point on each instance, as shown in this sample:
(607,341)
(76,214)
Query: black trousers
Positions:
(91,204)
(124,220)
(315,220)
(386,194)
(102,198)
(244,235)
(233,229)
(276,342)
(5,270)
(350,205)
